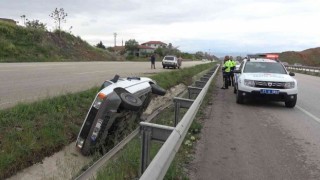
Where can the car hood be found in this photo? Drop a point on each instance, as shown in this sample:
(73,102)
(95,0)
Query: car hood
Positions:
(268,77)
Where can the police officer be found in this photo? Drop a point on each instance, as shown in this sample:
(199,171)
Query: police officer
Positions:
(226,72)
(233,63)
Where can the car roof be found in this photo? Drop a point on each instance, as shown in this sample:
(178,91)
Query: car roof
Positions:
(262,60)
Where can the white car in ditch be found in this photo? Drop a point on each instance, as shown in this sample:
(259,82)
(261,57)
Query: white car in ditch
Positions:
(265,79)
(118,101)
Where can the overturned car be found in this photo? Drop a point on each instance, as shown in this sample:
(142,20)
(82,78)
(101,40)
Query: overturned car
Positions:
(119,100)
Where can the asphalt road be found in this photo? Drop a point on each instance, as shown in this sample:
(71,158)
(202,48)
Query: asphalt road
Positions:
(260,140)
(25,82)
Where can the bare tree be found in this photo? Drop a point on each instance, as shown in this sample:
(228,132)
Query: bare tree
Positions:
(59,16)
(23,17)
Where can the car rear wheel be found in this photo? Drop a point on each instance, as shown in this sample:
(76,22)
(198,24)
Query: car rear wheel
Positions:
(130,101)
(157,90)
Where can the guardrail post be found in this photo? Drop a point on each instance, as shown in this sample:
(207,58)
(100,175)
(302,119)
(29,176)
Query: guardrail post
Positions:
(176,112)
(145,147)
(193,90)
(180,103)
(150,131)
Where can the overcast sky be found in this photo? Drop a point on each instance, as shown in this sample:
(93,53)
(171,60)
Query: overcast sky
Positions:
(214,26)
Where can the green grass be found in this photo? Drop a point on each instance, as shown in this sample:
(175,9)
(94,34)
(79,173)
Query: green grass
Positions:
(30,132)
(21,44)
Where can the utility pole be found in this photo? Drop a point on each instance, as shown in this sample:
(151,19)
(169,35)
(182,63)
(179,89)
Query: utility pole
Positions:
(115,39)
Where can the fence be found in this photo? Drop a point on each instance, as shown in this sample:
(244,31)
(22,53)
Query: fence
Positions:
(305,69)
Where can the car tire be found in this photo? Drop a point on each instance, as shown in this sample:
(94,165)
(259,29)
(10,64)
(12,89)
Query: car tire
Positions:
(130,101)
(157,90)
(239,98)
(163,67)
(291,103)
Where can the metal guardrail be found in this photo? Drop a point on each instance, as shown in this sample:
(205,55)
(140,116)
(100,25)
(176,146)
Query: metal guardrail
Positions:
(161,162)
(304,68)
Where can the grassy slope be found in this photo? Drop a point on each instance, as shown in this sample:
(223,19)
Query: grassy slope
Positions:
(30,132)
(309,57)
(20,44)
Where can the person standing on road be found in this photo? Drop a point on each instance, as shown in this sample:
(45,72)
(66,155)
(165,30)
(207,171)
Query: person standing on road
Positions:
(226,72)
(153,61)
(233,66)
(179,61)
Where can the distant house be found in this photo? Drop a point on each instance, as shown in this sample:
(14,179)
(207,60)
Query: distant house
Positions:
(141,51)
(154,44)
(144,50)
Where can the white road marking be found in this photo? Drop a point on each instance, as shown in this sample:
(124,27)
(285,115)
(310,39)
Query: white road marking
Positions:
(309,114)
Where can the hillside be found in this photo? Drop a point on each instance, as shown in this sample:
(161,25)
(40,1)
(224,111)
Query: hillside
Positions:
(21,44)
(308,57)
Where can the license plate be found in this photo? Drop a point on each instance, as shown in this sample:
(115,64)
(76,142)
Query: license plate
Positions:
(269,91)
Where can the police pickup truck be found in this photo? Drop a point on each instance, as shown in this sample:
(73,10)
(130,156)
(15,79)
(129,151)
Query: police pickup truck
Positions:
(261,77)
(119,101)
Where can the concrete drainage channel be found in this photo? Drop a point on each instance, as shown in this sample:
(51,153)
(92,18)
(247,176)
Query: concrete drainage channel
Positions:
(171,136)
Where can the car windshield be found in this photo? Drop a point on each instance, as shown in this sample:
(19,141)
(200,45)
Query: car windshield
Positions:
(105,84)
(264,67)
(169,58)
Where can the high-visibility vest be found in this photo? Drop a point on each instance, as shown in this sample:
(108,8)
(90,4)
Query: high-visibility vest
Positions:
(233,63)
(227,65)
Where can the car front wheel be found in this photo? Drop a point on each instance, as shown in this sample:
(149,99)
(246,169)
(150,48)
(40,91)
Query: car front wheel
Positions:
(239,98)
(291,103)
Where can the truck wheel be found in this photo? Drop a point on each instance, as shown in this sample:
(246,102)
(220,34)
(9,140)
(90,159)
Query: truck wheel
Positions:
(163,67)
(157,90)
(291,103)
(239,98)
(130,101)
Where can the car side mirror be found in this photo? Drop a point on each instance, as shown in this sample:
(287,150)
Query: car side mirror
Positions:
(291,74)
(237,71)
